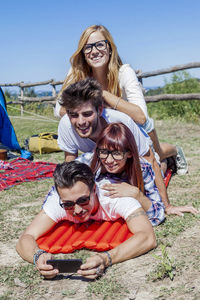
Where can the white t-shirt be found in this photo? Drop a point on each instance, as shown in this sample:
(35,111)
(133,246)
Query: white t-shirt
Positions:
(70,141)
(109,209)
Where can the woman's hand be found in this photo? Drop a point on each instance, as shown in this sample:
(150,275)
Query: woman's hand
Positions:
(121,189)
(46,270)
(179,210)
(93,268)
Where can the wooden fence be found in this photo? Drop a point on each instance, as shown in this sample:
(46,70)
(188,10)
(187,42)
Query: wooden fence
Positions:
(52,99)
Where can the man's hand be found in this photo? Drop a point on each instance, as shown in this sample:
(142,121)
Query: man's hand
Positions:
(121,189)
(93,268)
(46,270)
(179,210)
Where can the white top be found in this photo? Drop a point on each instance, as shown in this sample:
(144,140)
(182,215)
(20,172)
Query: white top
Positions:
(70,141)
(131,89)
(109,209)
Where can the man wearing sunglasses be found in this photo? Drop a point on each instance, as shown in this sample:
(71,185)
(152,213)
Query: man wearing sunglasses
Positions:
(76,198)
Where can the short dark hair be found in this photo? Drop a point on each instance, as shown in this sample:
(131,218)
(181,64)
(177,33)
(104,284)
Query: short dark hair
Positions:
(80,92)
(68,173)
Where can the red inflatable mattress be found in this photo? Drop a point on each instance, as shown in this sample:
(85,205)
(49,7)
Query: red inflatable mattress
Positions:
(66,237)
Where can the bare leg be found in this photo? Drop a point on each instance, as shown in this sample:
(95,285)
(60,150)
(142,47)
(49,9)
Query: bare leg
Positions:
(163,165)
(164,150)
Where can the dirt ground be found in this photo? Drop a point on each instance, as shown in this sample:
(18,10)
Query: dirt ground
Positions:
(132,275)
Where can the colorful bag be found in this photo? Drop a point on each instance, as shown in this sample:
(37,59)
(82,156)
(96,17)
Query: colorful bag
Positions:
(45,142)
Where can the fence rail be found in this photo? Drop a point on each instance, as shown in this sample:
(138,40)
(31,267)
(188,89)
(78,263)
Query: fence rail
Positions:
(52,99)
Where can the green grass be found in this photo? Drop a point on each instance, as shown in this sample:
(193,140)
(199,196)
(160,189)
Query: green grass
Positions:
(181,110)
(105,288)
(21,203)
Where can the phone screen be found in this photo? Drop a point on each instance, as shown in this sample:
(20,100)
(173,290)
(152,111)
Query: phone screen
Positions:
(65,265)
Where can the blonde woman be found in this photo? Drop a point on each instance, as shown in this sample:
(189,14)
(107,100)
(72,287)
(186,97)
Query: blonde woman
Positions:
(97,57)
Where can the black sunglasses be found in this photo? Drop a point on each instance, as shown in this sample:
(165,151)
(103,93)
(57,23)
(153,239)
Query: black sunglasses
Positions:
(70,204)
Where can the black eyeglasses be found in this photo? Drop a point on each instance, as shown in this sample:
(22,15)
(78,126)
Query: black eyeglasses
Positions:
(100,45)
(70,204)
(117,155)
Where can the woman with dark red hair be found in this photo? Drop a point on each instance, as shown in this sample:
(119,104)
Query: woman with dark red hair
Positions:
(121,173)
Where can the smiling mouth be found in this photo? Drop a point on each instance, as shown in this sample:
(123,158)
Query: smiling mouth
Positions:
(96,58)
(84,130)
(111,166)
(81,215)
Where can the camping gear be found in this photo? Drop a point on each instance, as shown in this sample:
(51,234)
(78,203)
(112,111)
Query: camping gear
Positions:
(45,142)
(7,134)
(66,237)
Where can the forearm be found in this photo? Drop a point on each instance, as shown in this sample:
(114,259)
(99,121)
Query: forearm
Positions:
(141,242)
(70,156)
(132,110)
(138,244)
(26,247)
(144,200)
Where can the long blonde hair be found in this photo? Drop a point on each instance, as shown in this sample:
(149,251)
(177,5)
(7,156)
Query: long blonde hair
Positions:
(80,68)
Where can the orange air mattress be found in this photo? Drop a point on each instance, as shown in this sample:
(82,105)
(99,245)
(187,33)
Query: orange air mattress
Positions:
(66,237)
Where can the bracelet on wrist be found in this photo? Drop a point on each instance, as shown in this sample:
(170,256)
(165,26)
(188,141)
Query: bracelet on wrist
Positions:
(109,258)
(115,107)
(37,255)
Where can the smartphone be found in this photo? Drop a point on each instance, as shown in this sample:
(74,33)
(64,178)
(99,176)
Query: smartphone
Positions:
(65,265)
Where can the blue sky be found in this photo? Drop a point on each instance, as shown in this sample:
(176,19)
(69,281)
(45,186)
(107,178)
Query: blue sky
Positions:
(38,37)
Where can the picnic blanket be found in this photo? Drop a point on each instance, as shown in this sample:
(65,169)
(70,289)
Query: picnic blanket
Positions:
(22,170)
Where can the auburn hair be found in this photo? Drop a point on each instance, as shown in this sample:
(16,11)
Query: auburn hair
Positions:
(117,136)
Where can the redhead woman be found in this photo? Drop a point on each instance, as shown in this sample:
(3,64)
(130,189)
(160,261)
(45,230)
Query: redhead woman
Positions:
(97,57)
(115,159)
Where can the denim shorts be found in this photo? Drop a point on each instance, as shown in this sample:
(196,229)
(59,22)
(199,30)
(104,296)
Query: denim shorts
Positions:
(148,126)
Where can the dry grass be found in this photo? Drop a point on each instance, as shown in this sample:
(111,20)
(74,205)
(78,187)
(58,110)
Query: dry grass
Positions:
(128,280)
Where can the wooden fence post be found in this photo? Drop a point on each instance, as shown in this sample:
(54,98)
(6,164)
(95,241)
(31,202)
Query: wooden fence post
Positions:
(22,94)
(53,90)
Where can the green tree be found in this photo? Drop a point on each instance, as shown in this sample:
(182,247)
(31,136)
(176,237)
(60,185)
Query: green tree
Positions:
(180,83)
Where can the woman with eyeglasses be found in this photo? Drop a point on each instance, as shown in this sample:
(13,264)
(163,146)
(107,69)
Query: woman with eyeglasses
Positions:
(97,57)
(115,159)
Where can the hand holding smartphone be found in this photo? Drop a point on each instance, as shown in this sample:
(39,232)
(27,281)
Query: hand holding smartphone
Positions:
(65,265)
